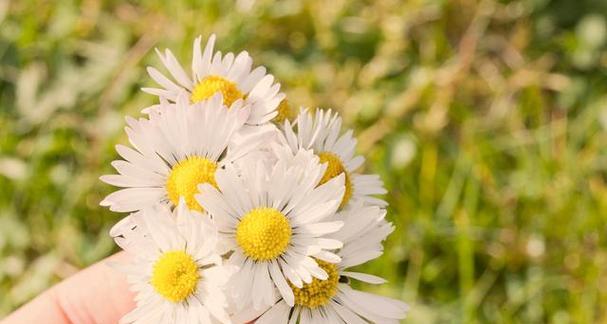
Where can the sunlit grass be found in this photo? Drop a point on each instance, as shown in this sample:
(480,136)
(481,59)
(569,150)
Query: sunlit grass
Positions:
(487,122)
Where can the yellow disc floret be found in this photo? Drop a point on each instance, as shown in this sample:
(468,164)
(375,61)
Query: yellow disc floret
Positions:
(336,167)
(263,234)
(285,112)
(175,276)
(318,292)
(185,177)
(212,84)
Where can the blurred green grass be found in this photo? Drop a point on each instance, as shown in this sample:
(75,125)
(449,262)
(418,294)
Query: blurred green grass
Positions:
(486,119)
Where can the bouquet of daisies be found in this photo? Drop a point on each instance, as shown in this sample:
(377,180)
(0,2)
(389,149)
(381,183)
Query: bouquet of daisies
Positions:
(241,210)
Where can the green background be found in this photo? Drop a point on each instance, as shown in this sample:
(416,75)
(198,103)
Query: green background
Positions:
(487,121)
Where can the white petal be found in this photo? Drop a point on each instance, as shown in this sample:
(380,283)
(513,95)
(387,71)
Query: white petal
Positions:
(364,277)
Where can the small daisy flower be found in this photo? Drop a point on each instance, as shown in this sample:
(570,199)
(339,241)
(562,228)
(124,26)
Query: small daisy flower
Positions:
(285,111)
(273,216)
(175,272)
(321,133)
(176,151)
(212,73)
(332,300)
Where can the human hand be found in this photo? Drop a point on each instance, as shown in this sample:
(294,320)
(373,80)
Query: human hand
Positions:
(96,295)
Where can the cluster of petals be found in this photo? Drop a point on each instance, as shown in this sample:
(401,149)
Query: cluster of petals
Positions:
(237,216)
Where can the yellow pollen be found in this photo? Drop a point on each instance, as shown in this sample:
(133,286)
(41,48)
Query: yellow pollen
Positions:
(185,178)
(284,112)
(334,168)
(175,276)
(212,84)
(318,292)
(263,234)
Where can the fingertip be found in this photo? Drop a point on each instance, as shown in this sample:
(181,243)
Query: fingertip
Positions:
(97,294)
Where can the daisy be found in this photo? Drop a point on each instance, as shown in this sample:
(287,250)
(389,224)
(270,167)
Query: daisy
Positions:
(175,151)
(333,301)
(321,133)
(273,217)
(212,73)
(285,111)
(175,272)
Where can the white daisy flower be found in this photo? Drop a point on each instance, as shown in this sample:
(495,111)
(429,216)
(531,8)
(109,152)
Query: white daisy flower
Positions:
(175,272)
(177,150)
(285,111)
(230,75)
(273,216)
(321,133)
(333,301)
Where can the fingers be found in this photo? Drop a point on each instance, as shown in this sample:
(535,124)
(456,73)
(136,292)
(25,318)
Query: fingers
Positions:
(98,294)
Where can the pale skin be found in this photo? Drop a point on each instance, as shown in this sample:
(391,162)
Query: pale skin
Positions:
(98,294)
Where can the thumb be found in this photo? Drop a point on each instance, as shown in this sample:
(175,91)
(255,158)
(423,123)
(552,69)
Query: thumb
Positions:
(97,294)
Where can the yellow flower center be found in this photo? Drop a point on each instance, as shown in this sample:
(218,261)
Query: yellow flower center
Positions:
(212,84)
(318,292)
(334,168)
(175,276)
(263,234)
(284,112)
(185,178)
